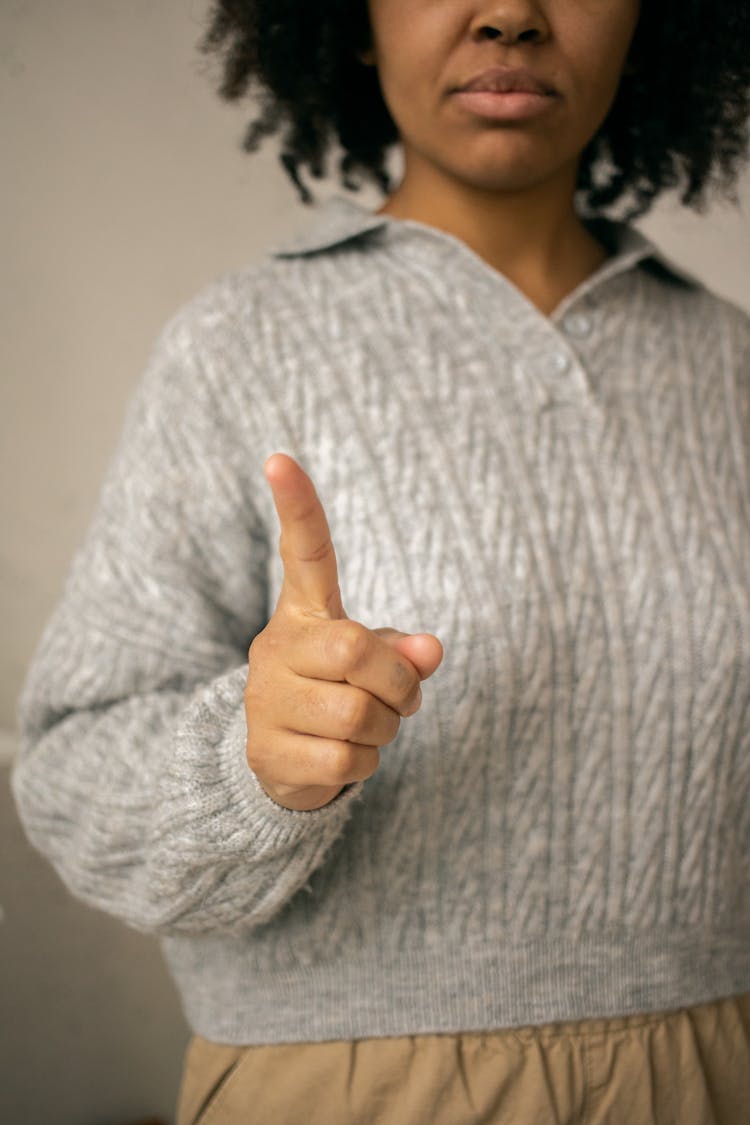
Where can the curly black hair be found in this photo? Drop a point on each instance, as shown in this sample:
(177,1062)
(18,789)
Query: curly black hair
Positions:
(680,119)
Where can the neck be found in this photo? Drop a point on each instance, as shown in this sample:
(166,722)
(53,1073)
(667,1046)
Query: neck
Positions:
(533,237)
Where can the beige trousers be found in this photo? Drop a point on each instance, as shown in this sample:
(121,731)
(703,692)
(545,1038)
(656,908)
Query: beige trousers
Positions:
(690,1067)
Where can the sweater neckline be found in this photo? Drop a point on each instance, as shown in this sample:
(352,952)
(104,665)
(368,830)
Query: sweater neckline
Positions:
(340,220)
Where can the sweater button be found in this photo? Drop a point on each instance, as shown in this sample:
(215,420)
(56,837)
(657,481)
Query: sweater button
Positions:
(577,324)
(558,363)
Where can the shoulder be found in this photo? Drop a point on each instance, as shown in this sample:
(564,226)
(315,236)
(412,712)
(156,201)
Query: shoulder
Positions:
(259,308)
(230,328)
(701,312)
(230,303)
(720,320)
(669,293)
(734,320)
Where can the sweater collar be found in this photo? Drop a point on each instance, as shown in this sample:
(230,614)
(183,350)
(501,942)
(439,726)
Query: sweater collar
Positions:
(340,220)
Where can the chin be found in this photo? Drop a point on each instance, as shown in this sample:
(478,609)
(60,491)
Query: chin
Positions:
(506,180)
(511,164)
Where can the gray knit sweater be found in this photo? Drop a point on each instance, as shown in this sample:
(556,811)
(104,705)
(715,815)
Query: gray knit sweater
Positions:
(563,830)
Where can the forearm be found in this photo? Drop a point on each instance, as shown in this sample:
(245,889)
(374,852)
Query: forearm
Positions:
(147,808)
(133,777)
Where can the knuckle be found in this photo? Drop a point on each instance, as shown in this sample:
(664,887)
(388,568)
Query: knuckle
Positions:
(315,551)
(369,765)
(340,762)
(411,705)
(354,713)
(392,729)
(271,647)
(318,553)
(350,644)
(306,512)
(285,552)
(253,692)
(250,695)
(256,752)
(405,683)
(256,647)
(254,760)
(347,763)
(264,647)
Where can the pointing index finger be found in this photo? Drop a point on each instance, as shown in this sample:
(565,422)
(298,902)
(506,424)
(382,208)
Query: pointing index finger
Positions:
(311,578)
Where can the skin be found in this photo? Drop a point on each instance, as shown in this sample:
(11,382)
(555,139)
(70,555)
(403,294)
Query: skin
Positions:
(506,189)
(325,693)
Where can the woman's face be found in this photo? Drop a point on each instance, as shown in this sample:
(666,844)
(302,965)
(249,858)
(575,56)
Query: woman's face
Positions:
(426,51)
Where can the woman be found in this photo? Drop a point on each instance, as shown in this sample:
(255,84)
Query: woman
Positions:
(530,435)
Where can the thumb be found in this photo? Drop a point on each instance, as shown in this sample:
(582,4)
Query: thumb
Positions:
(423,649)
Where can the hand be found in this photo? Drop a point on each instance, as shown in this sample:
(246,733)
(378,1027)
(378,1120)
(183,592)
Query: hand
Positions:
(323,693)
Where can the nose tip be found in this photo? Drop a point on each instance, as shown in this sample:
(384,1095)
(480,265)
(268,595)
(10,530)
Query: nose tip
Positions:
(511,21)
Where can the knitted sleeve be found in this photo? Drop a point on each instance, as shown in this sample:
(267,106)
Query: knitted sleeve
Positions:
(132,777)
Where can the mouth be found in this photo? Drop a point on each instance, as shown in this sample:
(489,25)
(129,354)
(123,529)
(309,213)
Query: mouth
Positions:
(506,80)
(505,94)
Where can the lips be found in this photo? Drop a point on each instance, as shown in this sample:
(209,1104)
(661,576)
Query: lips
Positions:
(506,80)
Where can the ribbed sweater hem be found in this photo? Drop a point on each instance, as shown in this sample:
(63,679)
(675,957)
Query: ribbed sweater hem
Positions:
(387,993)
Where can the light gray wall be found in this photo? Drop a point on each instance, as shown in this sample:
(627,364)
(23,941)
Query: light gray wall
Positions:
(125,192)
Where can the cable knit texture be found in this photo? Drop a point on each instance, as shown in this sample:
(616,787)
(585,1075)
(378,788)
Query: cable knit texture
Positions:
(563,830)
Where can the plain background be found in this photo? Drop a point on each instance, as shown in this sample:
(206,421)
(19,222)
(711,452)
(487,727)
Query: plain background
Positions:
(124,191)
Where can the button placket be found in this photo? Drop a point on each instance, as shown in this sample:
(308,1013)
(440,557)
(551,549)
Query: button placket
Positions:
(559,363)
(577,324)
